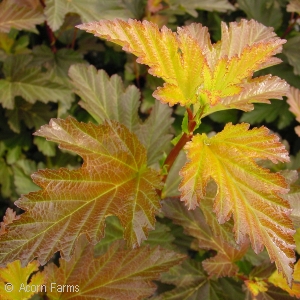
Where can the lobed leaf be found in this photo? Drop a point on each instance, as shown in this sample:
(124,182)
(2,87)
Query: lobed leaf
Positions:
(196,71)
(18,277)
(247,191)
(106,98)
(293,6)
(56,10)
(291,52)
(113,180)
(19,15)
(194,224)
(191,283)
(117,274)
(29,82)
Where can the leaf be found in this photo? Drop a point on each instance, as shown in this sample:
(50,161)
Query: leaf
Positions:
(191,283)
(33,115)
(117,274)
(195,71)
(278,280)
(56,10)
(267,12)
(18,278)
(173,179)
(291,52)
(154,132)
(294,102)
(190,6)
(106,98)
(58,63)
(293,198)
(194,224)
(6,178)
(293,6)
(247,191)
(21,16)
(277,111)
(113,180)
(28,82)
(256,287)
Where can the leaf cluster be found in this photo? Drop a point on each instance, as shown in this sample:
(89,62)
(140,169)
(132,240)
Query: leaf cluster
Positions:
(160,187)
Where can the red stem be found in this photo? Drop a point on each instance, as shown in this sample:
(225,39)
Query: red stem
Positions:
(291,26)
(179,146)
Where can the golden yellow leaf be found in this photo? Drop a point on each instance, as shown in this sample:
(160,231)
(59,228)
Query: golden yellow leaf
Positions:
(246,191)
(14,281)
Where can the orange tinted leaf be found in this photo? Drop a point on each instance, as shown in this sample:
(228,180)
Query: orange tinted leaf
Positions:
(256,287)
(196,71)
(194,224)
(9,217)
(294,102)
(117,274)
(18,277)
(252,194)
(21,16)
(278,280)
(113,180)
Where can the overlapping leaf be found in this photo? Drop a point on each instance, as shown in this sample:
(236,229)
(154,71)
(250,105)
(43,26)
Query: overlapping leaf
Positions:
(278,280)
(252,194)
(117,274)
(114,180)
(191,283)
(294,102)
(56,10)
(293,6)
(194,70)
(194,224)
(106,98)
(267,12)
(29,82)
(291,51)
(191,5)
(18,277)
(19,15)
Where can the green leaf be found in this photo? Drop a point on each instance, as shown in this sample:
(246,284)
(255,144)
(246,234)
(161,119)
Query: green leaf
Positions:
(33,115)
(56,10)
(154,132)
(23,169)
(278,110)
(191,283)
(291,50)
(113,180)
(194,224)
(29,82)
(171,186)
(20,15)
(6,179)
(267,12)
(44,146)
(106,99)
(57,63)
(119,273)
(190,6)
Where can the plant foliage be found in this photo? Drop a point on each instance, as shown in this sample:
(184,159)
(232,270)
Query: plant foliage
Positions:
(160,187)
